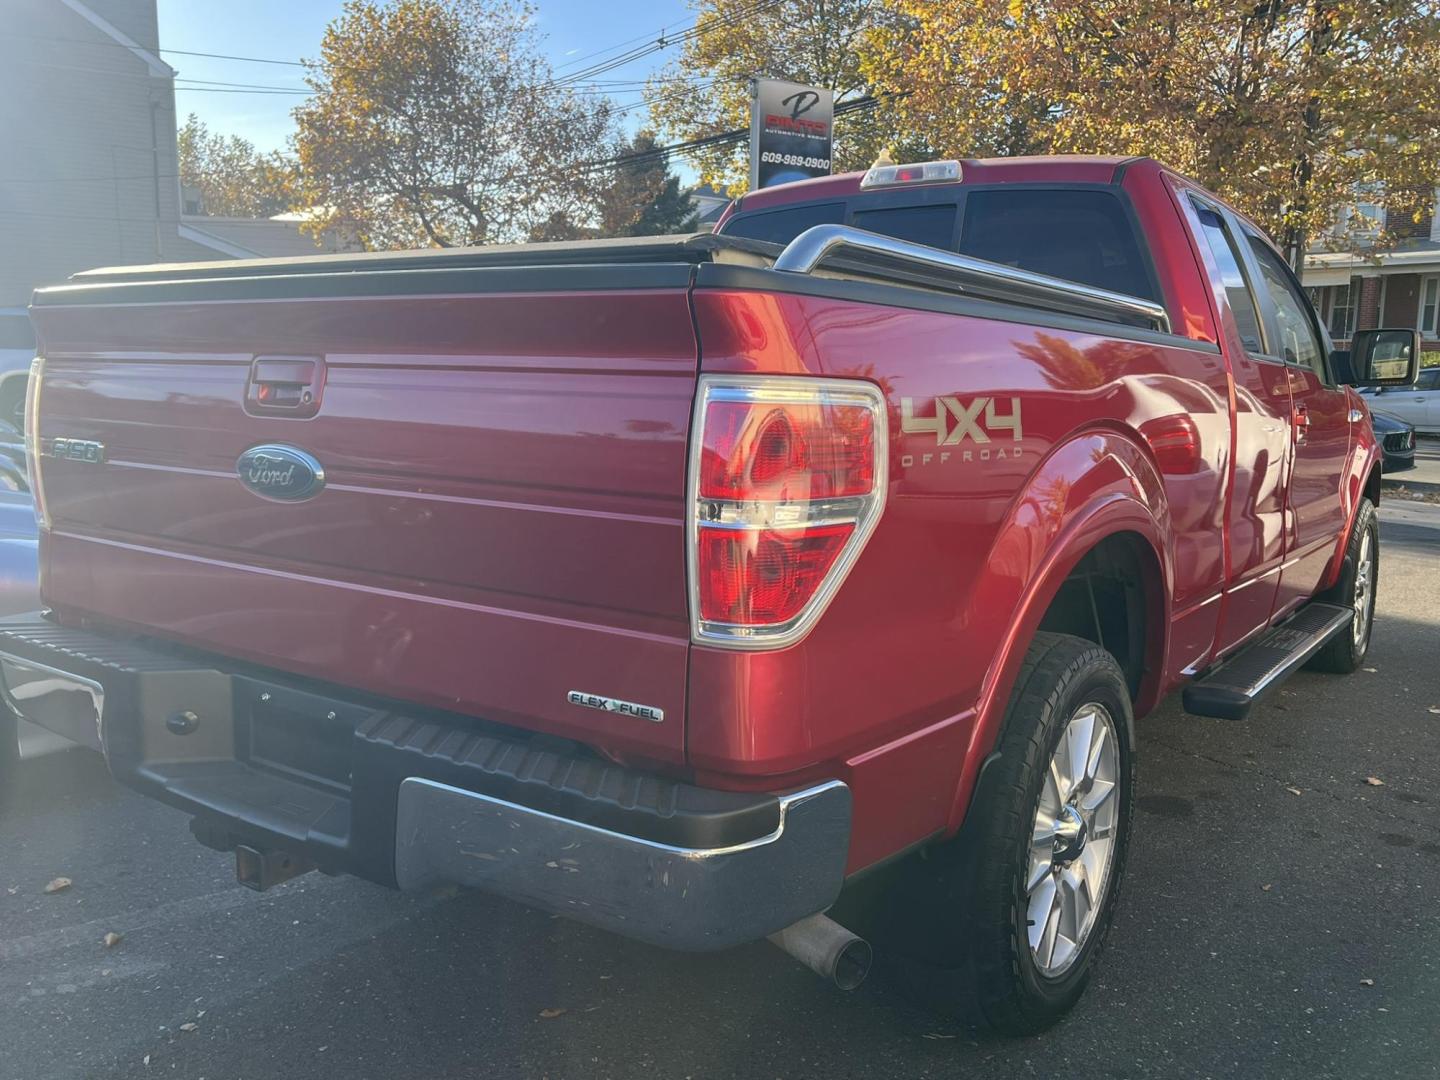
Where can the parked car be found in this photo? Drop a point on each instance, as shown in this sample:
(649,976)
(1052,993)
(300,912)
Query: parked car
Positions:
(1418,405)
(670,584)
(17,349)
(19,592)
(1396,439)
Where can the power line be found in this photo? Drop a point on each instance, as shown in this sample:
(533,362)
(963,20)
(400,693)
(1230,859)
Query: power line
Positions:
(171,52)
(666,153)
(662,43)
(136,77)
(257,93)
(617,45)
(636,160)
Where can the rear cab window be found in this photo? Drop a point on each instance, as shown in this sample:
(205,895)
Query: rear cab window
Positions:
(783,225)
(1080,233)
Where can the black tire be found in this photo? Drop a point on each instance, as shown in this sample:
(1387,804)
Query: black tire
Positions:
(1346,651)
(964,947)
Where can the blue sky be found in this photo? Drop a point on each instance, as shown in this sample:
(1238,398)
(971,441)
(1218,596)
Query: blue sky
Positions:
(291,29)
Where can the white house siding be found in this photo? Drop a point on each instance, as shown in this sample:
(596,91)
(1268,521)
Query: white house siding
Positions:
(78,152)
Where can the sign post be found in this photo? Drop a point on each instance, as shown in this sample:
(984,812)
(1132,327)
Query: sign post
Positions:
(790,132)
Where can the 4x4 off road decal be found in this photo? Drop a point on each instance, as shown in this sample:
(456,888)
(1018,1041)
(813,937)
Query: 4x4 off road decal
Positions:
(954,421)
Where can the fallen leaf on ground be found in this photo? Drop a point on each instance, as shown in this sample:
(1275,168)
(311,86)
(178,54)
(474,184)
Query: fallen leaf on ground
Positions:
(1266,888)
(60,884)
(1372,670)
(936,1035)
(1367,982)
(550,1014)
(146,1060)
(112,939)
(189,1027)
(1435,709)
(1294,791)
(13,889)
(1374,781)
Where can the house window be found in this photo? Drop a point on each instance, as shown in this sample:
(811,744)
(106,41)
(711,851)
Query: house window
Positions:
(1339,307)
(1429,303)
(1366,217)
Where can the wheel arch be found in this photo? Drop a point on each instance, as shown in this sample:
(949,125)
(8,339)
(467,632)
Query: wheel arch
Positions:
(1126,517)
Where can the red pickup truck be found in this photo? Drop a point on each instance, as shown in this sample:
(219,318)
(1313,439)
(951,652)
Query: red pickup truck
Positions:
(674,584)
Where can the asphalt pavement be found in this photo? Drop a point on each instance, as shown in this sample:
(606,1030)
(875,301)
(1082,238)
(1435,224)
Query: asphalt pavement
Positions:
(1425,476)
(1281,918)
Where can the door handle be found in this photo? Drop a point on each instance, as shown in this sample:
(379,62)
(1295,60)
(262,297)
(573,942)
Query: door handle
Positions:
(285,386)
(1300,419)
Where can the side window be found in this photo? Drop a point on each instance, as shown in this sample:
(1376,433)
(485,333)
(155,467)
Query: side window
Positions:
(1429,380)
(782,226)
(1242,304)
(932,225)
(1298,342)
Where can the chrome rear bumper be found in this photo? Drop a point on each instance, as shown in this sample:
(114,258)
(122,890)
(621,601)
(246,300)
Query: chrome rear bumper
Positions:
(676,897)
(55,700)
(423,799)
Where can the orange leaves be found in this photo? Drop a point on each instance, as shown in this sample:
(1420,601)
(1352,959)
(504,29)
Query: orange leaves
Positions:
(1237,95)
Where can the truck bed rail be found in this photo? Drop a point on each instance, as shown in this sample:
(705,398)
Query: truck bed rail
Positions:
(843,247)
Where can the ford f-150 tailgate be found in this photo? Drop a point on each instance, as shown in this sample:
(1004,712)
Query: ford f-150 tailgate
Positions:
(469,491)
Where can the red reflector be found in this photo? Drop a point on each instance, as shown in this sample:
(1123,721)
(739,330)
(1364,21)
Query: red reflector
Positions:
(1176,443)
(771,451)
(764,577)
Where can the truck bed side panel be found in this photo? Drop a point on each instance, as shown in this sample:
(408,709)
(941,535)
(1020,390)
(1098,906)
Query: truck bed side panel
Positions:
(900,660)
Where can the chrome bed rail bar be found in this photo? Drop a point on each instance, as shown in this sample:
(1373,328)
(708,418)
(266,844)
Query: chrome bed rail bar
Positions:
(845,248)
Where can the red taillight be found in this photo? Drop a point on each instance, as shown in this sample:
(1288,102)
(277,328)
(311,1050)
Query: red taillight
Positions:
(786,485)
(764,576)
(777,451)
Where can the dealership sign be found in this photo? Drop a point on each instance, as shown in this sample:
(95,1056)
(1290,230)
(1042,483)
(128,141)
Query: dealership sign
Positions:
(790,129)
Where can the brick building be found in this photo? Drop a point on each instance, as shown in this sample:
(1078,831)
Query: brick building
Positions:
(1399,286)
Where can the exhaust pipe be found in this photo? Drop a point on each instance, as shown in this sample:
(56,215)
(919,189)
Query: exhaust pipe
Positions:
(828,949)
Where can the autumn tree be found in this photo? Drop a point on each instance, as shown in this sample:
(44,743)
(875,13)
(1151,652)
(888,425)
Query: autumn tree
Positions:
(233,177)
(706,89)
(1292,109)
(643,197)
(437,122)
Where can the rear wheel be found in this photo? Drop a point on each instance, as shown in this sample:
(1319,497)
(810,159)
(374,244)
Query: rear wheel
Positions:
(1017,906)
(1356,590)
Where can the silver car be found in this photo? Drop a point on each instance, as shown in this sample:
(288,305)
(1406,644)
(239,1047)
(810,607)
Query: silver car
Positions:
(1418,404)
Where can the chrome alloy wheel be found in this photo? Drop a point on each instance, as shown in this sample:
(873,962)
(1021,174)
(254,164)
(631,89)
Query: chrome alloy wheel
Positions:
(1072,843)
(1364,590)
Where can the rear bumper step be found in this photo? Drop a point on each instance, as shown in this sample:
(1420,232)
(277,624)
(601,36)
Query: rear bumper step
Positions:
(1230,690)
(417,799)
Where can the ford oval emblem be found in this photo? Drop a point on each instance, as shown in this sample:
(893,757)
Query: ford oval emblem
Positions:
(280,472)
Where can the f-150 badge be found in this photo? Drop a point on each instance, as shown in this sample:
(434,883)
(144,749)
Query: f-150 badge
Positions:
(87,450)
